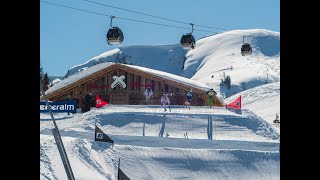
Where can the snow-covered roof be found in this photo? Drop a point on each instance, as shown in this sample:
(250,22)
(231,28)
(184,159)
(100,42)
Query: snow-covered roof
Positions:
(171,77)
(55,81)
(80,75)
(91,70)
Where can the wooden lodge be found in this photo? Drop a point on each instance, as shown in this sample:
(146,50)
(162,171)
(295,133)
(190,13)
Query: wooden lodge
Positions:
(125,84)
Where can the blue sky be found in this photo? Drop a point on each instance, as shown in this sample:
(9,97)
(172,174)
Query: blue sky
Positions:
(70,37)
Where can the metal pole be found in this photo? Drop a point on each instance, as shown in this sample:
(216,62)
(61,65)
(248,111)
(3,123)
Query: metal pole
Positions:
(57,137)
(144,126)
(118,168)
(211,127)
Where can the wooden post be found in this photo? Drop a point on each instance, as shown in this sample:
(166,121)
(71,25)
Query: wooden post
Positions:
(143,83)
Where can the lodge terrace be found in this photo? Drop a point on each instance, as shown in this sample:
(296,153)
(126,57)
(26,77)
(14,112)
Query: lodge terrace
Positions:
(125,84)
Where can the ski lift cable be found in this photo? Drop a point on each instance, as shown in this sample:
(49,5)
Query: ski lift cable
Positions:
(145,14)
(135,12)
(163,24)
(75,8)
(146,22)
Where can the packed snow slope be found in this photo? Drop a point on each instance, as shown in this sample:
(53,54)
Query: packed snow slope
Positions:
(220,55)
(167,58)
(156,145)
(263,100)
(216,55)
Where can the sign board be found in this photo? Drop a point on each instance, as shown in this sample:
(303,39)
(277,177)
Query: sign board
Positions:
(62,106)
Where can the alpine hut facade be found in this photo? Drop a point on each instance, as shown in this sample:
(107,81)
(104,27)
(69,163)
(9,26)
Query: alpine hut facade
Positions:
(125,84)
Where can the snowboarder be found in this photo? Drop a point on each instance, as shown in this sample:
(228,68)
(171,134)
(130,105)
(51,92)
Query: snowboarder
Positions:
(165,101)
(188,98)
(211,96)
(148,93)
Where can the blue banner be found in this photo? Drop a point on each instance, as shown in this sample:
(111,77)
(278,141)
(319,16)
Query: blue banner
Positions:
(61,106)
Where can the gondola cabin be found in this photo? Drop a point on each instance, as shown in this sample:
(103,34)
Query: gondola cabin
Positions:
(187,41)
(114,36)
(246,49)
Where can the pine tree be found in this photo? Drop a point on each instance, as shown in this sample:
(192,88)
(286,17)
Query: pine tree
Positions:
(41,72)
(45,82)
(41,76)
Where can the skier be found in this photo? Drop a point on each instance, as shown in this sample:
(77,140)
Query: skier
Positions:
(165,101)
(148,93)
(211,94)
(188,98)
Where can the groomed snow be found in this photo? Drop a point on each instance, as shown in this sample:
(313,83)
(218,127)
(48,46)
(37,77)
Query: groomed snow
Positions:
(242,146)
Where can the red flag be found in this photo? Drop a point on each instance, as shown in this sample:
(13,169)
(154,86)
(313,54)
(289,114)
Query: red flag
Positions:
(100,102)
(235,104)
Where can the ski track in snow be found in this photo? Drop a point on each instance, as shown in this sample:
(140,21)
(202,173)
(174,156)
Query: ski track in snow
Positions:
(82,151)
(46,151)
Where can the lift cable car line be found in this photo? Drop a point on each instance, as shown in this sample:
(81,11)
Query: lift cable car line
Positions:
(115,35)
(145,14)
(128,19)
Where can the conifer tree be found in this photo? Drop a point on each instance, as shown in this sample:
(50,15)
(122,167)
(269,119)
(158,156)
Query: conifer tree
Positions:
(41,72)
(45,81)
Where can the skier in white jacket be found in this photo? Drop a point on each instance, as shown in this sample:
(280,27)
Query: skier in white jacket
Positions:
(148,93)
(165,101)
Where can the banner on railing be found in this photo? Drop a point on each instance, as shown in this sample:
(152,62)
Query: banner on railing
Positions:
(61,106)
